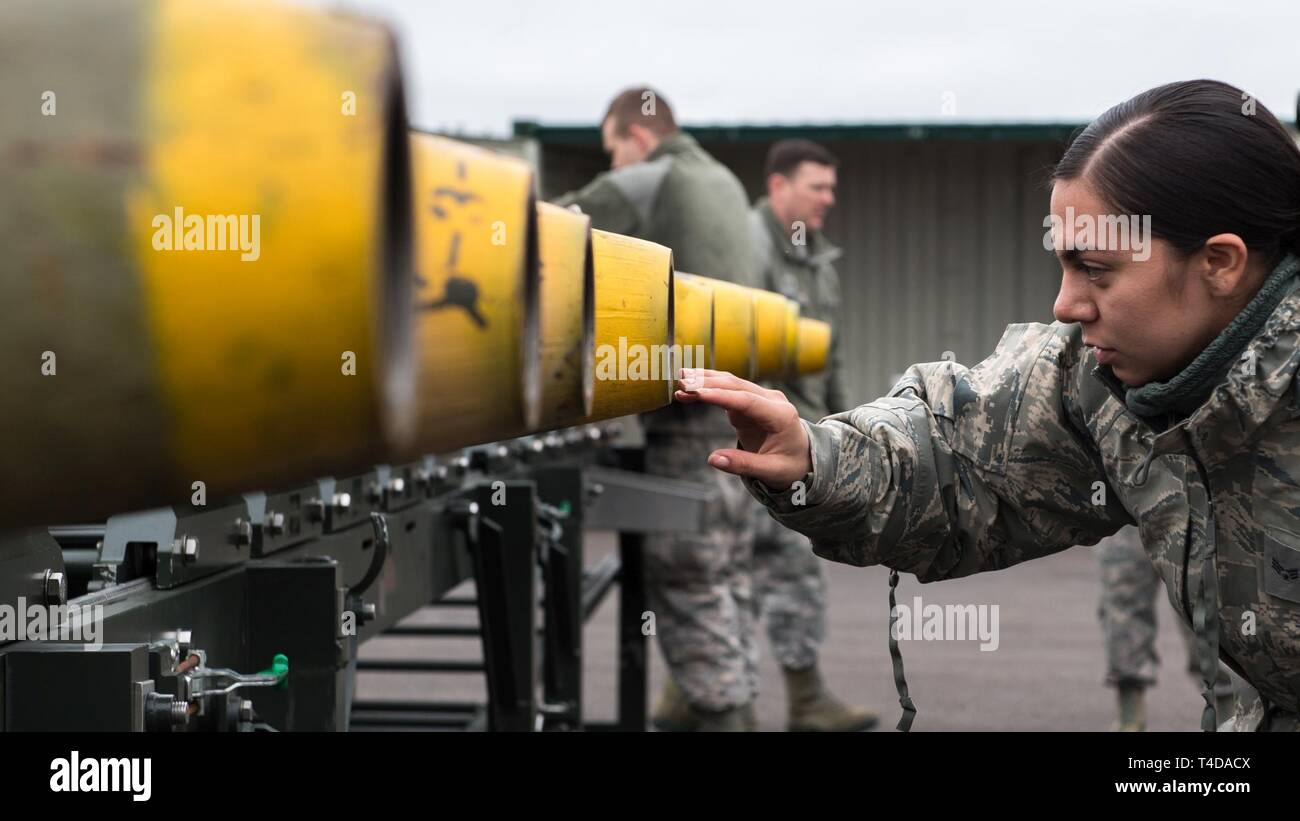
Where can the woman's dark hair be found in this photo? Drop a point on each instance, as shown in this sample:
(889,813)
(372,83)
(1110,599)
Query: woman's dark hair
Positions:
(1202,158)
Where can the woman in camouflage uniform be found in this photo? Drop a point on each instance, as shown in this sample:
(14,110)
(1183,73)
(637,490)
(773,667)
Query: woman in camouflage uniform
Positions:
(1165,395)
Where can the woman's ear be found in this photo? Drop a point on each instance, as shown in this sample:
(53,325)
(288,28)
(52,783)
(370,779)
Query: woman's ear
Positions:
(1223,266)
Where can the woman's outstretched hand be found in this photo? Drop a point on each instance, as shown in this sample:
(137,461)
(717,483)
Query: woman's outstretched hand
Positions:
(775,444)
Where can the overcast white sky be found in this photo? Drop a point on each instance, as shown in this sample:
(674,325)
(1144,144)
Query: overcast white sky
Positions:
(474,66)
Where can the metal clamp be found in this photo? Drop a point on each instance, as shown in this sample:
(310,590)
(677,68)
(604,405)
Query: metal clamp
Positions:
(274,676)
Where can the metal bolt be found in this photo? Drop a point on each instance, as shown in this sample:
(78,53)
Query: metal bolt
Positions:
(180,713)
(342,501)
(245,710)
(397,485)
(243,532)
(367,611)
(184,643)
(187,547)
(56,587)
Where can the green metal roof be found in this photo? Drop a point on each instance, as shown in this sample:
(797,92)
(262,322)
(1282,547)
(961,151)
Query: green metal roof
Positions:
(587,135)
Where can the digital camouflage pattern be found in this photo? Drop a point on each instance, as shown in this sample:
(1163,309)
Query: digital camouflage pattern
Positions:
(790,591)
(1127,609)
(699,586)
(961,470)
(788,580)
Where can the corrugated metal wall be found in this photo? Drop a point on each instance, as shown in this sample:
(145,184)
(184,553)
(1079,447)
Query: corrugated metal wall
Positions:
(942,242)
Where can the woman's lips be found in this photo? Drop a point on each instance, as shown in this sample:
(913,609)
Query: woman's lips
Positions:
(1104,355)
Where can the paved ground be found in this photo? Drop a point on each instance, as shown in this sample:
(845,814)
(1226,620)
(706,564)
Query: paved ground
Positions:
(1045,674)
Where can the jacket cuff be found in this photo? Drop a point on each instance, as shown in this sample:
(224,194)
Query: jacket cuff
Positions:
(815,485)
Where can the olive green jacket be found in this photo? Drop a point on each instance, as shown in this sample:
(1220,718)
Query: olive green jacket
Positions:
(806,274)
(683,198)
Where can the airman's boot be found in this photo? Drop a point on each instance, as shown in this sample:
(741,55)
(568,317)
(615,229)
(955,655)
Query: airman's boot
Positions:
(1132,709)
(734,720)
(673,713)
(814,709)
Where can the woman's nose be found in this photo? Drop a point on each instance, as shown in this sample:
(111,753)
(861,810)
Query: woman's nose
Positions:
(1073,303)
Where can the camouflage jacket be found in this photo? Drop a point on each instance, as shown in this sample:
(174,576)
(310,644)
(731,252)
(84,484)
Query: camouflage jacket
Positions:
(961,470)
(683,198)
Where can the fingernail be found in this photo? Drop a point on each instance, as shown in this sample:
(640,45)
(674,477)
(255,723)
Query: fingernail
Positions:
(690,383)
(719,461)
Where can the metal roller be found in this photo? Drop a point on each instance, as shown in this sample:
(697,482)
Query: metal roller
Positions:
(770,317)
(205,215)
(733,328)
(814,346)
(692,321)
(477,295)
(634,325)
(568,316)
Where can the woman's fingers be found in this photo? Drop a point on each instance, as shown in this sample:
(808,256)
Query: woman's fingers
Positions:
(696,378)
(771,469)
(775,448)
(766,413)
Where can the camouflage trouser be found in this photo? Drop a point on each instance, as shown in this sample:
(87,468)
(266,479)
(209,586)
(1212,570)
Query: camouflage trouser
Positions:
(698,583)
(790,590)
(1129,587)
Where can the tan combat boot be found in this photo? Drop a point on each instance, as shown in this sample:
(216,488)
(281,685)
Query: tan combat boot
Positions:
(1132,709)
(814,710)
(735,720)
(674,714)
